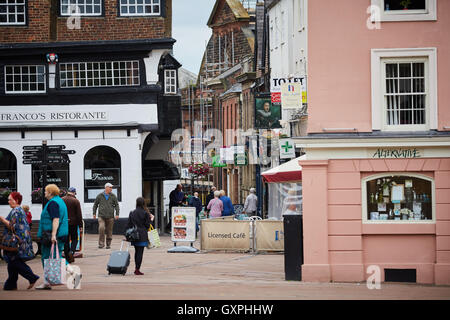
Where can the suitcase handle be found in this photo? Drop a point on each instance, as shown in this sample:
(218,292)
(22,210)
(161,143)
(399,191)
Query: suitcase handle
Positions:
(121,245)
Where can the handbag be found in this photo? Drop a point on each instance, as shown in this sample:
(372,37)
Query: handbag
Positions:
(132,234)
(11,242)
(153,237)
(55,268)
(46,238)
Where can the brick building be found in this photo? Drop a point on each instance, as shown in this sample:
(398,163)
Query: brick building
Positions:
(217,97)
(98,78)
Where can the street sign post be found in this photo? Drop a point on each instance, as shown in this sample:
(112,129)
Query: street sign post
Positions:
(44,155)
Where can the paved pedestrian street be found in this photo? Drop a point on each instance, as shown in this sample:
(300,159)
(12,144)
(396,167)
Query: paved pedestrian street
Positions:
(204,276)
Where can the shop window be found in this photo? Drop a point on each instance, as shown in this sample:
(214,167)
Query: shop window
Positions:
(25,79)
(57,173)
(102,164)
(81,7)
(406,10)
(12,12)
(8,174)
(398,198)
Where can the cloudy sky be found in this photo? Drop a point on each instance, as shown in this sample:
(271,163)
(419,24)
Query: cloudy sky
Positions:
(190,30)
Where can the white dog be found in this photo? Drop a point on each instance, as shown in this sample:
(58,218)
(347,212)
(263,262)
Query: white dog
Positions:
(73,277)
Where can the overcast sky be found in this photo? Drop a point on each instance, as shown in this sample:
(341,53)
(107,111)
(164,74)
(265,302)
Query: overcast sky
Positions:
(190,30)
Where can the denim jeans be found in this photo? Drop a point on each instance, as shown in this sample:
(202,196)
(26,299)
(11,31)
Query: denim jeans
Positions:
(17,266)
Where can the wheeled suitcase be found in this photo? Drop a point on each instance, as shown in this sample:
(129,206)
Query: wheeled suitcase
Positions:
(119,261)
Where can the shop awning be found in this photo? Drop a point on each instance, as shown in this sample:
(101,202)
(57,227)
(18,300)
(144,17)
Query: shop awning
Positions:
(286,172)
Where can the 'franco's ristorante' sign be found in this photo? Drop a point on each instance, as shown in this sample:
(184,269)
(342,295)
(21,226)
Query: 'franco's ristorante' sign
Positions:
(53,116)
(383,153)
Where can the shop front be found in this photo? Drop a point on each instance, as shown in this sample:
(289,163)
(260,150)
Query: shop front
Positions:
(384,209)
(105,151)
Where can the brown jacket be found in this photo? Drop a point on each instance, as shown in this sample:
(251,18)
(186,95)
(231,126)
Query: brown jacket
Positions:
(73,210)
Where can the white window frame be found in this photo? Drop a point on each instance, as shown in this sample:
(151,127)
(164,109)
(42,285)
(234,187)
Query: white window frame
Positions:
(80,3)
(97,74)
(429,14)
(168,76)
(143,4)
(365,200)
(16,14)
(29,82)
(378,58)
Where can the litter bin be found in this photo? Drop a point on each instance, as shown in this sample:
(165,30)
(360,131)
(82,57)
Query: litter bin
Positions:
(293,246)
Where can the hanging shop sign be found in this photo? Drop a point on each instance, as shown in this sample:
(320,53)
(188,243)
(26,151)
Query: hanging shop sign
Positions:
(395,153)
(217,162)
(183,224)
(287,148)
(268,115)
(276,84)
(240,159)
(293,95)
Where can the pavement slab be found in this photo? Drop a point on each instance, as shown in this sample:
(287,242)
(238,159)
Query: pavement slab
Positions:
(204,276)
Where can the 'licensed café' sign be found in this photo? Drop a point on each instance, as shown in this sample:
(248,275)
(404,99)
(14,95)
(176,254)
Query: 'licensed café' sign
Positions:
(396,153)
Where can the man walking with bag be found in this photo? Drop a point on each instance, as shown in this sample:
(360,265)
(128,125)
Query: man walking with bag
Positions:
(75,223)
(107,204)
(251,203)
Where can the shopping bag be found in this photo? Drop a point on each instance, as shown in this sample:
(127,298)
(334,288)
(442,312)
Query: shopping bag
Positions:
(153,236)
(55,268)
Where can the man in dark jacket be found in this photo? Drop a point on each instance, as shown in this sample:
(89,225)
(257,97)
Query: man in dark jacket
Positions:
(197,204)
(75,223)
(209,197)
(176,198)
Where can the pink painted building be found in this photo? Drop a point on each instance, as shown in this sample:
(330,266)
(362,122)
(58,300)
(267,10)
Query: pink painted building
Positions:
(376,178)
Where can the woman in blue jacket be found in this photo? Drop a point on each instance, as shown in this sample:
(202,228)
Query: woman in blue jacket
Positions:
(54,223)
(228,208)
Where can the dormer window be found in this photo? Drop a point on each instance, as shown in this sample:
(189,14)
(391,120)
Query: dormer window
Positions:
(170,81)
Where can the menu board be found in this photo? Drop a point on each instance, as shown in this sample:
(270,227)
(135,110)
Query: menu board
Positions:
(183,224)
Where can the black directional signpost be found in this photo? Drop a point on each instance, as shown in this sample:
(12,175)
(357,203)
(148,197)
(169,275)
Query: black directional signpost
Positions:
(44,155)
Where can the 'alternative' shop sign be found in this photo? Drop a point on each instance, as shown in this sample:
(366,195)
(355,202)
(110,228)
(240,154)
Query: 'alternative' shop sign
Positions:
(53,116)
(399,153)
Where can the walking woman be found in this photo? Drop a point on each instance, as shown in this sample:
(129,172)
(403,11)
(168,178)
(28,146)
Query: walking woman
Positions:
(53,227)
(215,206)
(16,225)
(141,219)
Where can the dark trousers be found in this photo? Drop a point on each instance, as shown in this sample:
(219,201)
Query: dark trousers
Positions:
(17,266)
(72,240)
(138,255)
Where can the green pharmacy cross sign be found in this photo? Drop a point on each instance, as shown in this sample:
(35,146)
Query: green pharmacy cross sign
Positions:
(287,149)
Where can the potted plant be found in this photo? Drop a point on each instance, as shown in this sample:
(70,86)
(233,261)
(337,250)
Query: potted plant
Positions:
(405,4)
(36,195)
(199,170)
(4,194)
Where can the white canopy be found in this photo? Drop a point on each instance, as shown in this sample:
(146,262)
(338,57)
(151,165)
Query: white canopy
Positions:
(286,172)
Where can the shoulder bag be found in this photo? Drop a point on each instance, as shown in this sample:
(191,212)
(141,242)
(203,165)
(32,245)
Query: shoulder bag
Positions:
(132,234)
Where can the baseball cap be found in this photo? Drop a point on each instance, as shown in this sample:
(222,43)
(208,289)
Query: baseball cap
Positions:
(72,189)
(108,185)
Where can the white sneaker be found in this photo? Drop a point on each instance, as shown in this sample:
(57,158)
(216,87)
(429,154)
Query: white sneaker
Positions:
(44,286)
